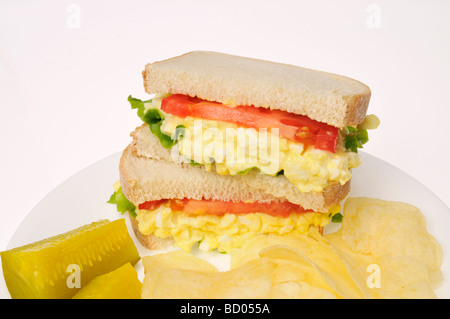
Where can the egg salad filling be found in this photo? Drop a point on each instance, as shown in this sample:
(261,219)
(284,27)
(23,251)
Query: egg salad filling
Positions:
(235,150)
(223,232)
(229,148)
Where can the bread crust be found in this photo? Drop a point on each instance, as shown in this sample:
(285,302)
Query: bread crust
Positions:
(325,97)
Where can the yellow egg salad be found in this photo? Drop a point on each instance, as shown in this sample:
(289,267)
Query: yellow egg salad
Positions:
(210,143)
(223,232)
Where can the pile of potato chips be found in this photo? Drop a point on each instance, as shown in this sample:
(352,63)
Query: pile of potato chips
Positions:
(382,250)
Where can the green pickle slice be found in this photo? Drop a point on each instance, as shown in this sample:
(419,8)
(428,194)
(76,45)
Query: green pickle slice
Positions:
(57,267)
(122,283)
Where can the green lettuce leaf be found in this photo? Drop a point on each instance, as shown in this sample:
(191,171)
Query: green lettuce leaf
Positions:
(123,204)
(138,104)
(164,139)
(192,162)
(245,171)
(179,131)
(154,118)
(354,138)
(337,218)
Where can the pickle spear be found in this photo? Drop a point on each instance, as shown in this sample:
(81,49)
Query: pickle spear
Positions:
(122,283)
(57,267)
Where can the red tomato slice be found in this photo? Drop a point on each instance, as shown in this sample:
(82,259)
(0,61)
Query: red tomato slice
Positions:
(217,207)
(151,205)
(291,126)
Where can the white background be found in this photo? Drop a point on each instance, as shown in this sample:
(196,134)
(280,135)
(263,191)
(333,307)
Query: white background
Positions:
(66,69)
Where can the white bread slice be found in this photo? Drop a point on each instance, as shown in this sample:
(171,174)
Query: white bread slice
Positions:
(148,172)
(325,97)
(147,179)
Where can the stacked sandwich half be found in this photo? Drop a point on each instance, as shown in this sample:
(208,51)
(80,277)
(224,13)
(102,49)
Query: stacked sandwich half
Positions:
(233,147)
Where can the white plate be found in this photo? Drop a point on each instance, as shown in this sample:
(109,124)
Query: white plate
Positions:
(82,199)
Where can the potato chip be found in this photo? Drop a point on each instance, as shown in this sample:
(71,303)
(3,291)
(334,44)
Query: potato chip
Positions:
(404,277)
(398,276)
(288,270)
(382,250)
(318,253)
(286,290)
(289,276)
(339,281)
(292,269)
(387,240)
(308,246)
(301,290)
(155,264)
(355,263)
(251,248)
(250,281)
(389,228)
(182,284)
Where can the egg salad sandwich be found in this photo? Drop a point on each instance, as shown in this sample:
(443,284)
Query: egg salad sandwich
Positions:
(184,205)
(232,147)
